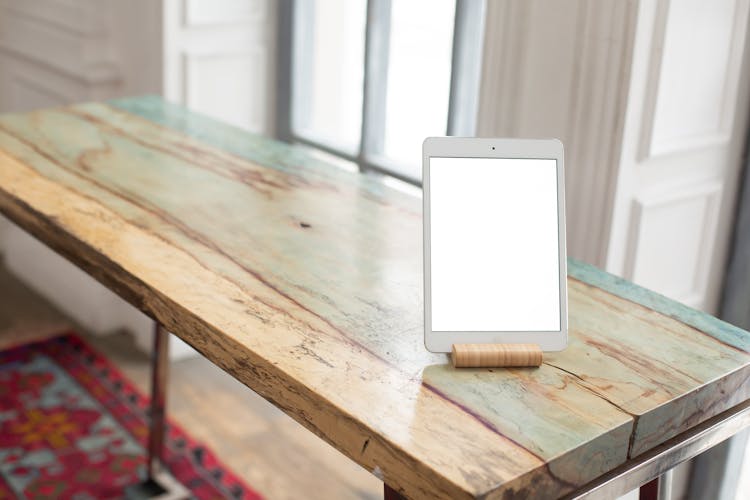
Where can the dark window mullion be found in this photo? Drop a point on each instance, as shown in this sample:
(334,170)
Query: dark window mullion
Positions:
(294,45)
(301,62)
(468,35)
(381,168)
(285,69)
(326,147)
(374,88)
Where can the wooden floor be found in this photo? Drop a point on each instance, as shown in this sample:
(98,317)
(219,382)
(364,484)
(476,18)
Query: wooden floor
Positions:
(273,453)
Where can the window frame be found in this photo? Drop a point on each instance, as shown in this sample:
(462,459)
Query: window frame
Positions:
(468,34)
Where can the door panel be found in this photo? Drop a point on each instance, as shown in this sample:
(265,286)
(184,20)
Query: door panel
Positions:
(682,144)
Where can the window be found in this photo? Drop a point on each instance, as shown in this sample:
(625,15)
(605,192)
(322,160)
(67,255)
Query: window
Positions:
(368,80)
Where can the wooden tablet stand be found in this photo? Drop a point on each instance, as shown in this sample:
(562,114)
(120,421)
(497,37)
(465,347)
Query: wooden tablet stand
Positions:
(496,355)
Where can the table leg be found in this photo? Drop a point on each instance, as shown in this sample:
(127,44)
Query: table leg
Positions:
(391,494)
(159,366)
(657,489)
(649,491)
(159,483)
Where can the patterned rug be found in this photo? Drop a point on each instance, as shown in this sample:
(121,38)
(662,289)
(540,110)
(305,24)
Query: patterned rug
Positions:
(71,426)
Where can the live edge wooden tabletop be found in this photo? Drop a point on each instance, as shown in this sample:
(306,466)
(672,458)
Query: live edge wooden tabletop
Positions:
(304,281)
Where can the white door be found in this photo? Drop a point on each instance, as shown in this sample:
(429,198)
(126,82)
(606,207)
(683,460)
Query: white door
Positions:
(684,135)
(219,59)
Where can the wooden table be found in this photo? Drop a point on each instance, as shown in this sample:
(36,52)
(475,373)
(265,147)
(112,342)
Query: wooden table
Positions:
(304,281)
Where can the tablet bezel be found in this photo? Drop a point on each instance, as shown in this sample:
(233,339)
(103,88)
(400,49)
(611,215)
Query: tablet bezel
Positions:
(463,147)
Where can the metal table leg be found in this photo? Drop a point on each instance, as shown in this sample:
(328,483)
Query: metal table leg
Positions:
(657,489)
(159,366)
(658,462)
(665,485)
(391,494)
(159,483)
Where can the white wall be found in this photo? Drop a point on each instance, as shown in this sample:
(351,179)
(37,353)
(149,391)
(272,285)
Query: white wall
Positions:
(215,57)
(650,99)
(54,53)
(685,130)
(219,59)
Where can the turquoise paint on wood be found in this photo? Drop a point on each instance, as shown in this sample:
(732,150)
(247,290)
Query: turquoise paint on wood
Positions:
(702,321)
(280,155)
(263,150)
(147,182)
(304,281)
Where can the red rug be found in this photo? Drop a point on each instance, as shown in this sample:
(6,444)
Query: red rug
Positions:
(72,426)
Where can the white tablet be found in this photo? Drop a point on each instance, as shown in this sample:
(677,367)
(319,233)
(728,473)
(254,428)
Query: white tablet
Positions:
(494,242)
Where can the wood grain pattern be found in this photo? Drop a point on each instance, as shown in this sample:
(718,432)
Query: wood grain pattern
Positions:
(495,355)
(280,459)
(304,282)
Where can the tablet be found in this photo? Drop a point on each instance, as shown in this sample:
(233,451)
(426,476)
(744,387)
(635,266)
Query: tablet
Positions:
(494,242)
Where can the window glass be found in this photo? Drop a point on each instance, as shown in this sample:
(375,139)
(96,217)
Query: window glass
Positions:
(329,71)
(419,74)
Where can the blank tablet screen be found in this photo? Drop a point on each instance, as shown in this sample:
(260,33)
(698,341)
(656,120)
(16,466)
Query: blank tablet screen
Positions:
(494,245)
